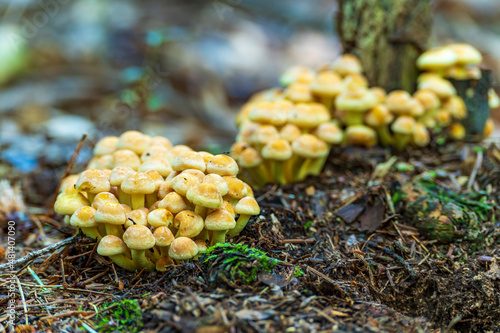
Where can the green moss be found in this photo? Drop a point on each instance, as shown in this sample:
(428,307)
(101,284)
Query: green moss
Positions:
(238,262)
(123,316)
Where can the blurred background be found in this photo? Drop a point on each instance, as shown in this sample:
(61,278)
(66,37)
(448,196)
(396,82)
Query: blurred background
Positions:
(174,68)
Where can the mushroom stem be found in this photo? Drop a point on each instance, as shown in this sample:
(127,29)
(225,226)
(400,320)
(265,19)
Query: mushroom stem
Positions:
(203,235)
(401,140)
(151,199)
(123,197)
(278,172)
(114,230)
(91,197)
(201,210)
(317,165)
(141,261)
(240,225)
(218,236)
(137,200)
(164,251)
(123,262)
(384,135)
(92,232)
(353,118)
(153,254)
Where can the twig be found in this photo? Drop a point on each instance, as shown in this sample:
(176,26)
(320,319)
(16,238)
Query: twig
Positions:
(320,274)
(298,240)
(23,299)
(67,171)
(477,165)
(41,252)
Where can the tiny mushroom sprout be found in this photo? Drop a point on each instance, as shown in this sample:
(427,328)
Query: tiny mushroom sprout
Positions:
(114,248)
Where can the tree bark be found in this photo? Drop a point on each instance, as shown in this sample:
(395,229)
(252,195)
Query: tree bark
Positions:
(387,36)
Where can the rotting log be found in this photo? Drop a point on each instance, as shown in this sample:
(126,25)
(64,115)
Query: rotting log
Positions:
(387,36)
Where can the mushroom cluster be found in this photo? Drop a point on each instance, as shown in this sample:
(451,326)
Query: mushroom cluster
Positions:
(285,133)
(150,205)
(456,61)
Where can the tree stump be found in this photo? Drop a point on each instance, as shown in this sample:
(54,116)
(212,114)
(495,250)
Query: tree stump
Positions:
(387,36)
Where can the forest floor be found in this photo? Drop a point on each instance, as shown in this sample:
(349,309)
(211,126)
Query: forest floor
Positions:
(368,246)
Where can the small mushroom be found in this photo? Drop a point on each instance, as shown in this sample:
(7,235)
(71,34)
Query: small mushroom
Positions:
(246,207)
(139,239)
(114,248)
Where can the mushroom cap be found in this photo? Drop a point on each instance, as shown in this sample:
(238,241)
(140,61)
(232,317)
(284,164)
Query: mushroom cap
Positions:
(227,206)
(270,112)
(111,245)
(134,141)
(111,213)
(158,151)
(68,182)
(163,236)
(263,134)
(443,116)
(246,131)
(421,136)
(428,99)
(93,181)
(156,177)
(250,158)
(404,125)
(138,183)
(220,219)
(126,157)
(308,115)
(160,141)
(201,244)
(118,175)
(327,84)
(164,189)
(354,82)
(309,146)
(176,150)
(347,64)
(183,182)
(466,54)
(277,149)
(247,206)
(101,162)
(206,195)
(436,59)
(379,116)
(105,146)
(174,202)
(237,188)
(361,135)
(138,216)
(222,165)
(360,100)
(489,127)
(67,204)
(399,102)
(299,74)
(103,197)
(158,164)
(218,181)
(290,132)
(416,109)
(379,93)
(330,133)
(456,105)
(189,223)
(182,248)
(188,160)
(298,93)
(126,208)
(441,87)
(160,217)
(139,237)
(493,99)
(197,173)
(84,217)
(206,156)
